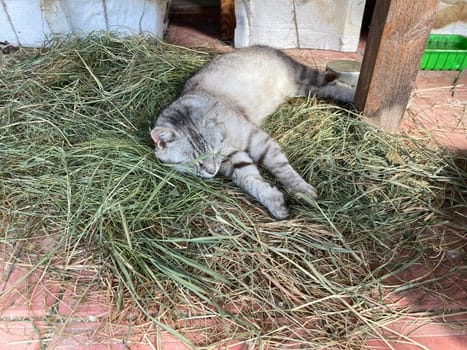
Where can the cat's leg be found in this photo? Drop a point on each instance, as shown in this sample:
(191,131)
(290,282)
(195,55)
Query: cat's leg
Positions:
(243,171)
(264,150)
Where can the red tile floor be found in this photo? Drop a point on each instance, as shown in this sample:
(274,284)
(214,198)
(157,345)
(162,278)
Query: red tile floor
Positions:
(81,316)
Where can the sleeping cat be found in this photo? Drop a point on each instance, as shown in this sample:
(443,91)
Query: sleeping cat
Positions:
(214,125)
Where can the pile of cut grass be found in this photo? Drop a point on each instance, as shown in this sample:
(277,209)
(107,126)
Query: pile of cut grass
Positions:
(78,168)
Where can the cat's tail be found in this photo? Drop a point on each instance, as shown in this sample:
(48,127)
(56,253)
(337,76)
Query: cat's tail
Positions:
(322,84)
(335,92)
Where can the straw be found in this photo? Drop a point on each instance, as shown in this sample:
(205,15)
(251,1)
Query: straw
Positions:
(196,255)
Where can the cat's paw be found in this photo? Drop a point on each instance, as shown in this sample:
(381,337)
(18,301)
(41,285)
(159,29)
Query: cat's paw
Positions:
(277,205)
(305,189)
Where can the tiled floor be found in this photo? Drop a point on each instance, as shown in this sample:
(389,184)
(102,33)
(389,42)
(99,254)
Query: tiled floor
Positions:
(437,108)
(63,316)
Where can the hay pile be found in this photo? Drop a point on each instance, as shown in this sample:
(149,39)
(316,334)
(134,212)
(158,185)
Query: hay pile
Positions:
(77,172)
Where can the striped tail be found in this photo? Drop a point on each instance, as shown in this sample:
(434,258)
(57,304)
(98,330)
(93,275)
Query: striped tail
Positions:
(322,84)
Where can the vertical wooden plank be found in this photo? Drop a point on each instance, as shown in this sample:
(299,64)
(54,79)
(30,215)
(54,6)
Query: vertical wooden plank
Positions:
(398,34)
(227,20)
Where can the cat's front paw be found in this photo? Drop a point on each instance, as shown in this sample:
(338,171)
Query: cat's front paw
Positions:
(277,205)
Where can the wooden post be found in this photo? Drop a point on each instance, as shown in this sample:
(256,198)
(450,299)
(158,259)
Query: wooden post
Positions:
(398,34)
(227,20)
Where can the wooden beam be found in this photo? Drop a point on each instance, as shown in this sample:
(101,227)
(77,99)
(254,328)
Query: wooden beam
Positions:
(398,34)
(227,20)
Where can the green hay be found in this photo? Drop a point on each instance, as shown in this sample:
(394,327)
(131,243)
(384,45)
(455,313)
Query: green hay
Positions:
(78,168)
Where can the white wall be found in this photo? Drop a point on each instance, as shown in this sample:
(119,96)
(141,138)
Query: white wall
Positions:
(29,22)
(320,24)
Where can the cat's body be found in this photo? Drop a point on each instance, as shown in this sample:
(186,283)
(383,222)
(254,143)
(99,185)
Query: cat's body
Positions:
(214,126)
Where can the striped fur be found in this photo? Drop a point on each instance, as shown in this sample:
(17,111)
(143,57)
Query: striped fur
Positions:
(214,125)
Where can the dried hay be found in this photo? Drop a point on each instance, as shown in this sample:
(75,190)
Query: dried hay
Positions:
(79,180)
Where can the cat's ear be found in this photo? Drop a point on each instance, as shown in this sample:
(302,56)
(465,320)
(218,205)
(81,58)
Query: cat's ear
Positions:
(161,136)
(208,116)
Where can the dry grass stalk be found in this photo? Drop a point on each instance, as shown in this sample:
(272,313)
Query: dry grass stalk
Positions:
(80,188)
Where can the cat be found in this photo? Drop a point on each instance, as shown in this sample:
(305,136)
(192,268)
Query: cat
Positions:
(214,125)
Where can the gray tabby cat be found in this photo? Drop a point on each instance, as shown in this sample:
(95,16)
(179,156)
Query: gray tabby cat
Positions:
(214,125)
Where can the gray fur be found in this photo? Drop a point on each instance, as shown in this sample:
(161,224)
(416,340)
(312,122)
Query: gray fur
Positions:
(214,125)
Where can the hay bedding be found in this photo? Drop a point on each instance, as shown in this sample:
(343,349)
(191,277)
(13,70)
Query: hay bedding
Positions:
(77,167)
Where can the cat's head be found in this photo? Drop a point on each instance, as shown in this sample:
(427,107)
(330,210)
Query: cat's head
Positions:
(188,137)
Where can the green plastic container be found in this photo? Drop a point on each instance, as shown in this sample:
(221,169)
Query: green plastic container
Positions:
(445,52)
